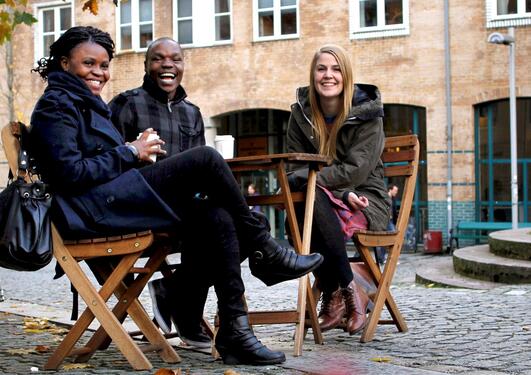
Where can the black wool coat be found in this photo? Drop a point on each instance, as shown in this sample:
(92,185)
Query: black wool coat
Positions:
(96,188)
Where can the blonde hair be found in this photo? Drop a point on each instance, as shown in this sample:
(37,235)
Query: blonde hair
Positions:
(327,139)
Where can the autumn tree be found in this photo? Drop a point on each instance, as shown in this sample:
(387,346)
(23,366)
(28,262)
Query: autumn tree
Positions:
(13,13)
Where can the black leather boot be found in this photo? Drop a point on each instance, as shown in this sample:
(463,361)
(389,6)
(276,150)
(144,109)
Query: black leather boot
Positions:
(274,263)
(237,344)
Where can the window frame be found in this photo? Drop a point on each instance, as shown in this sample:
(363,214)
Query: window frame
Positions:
(520,18)
(277,26)
(135,26)
(203,24)
(380,30)
(38,10)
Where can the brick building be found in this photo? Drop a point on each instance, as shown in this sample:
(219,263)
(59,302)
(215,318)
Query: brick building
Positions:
(244,60)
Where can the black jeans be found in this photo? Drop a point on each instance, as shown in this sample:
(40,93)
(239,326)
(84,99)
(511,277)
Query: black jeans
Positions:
(208,230)
(328,240)
(179,178)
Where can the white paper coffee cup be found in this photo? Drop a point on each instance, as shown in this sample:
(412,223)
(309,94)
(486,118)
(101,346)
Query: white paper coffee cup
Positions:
(225,145)
(151,137)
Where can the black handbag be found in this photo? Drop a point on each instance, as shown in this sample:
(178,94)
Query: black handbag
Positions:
(25,223)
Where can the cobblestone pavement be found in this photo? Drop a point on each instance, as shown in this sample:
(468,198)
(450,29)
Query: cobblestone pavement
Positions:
(454,331)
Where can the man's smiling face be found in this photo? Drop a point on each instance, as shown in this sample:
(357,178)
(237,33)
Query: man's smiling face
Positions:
(165,65)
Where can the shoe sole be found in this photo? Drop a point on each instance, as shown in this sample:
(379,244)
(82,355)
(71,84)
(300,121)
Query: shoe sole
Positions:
(156,312)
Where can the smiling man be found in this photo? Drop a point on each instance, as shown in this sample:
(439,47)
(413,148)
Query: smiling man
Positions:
(160,104)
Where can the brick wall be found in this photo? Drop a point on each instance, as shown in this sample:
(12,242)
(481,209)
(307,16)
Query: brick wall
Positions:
(408,69)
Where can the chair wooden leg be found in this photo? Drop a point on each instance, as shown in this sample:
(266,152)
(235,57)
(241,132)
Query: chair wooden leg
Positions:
(128,302)
(301,311)
(98,307)
(311,307)
(383,295)
(316,294)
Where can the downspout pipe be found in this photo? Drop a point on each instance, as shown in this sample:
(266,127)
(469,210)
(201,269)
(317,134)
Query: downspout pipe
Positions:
(449,130)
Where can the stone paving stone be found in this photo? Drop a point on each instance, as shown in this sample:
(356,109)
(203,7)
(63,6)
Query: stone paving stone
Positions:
(453,331)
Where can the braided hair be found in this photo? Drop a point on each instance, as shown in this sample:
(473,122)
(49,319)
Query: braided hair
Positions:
(67,42)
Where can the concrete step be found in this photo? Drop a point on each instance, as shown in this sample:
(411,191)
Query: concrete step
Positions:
(439,271)
(515,244)
(479,263)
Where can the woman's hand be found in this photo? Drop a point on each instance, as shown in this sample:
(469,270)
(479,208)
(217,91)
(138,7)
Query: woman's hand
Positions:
(357,202)
(147,148)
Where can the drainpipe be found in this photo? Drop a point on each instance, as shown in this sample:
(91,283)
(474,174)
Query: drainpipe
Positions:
(449,147)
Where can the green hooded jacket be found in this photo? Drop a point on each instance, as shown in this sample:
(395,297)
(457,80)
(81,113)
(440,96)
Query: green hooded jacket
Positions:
(360,142)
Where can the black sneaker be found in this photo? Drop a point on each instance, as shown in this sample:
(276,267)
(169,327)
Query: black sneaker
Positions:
(160,302)
(192,333)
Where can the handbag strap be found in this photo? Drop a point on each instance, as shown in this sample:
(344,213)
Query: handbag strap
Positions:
(20,131)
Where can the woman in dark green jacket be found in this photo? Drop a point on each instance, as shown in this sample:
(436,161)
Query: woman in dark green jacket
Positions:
(337,118)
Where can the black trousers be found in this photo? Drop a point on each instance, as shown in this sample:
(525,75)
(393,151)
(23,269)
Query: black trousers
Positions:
(328,240)
(208,228)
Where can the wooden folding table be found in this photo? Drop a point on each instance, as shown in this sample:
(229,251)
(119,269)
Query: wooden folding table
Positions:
(285,198)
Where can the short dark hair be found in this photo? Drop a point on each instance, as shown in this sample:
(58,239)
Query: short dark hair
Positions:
(157,41)
(67,42)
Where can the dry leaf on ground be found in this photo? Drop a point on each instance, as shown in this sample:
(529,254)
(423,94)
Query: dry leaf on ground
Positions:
(20,351)
(381,359)
(76,366)
(35,325)
(231,372)
(167,371)
(42,349)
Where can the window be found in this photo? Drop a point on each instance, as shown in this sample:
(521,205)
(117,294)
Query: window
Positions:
(493,160)
(53,20)
(504,13)
(276,19)
(135,24)
(202,23)
(222,19)
(378,18)
(401,119)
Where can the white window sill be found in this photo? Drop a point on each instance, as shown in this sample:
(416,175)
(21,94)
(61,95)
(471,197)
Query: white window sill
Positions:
(213,44)
(275,37)
(379,33)
(514,20)
(130,51)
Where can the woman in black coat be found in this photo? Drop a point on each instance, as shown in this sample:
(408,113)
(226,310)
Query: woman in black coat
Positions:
(103,186)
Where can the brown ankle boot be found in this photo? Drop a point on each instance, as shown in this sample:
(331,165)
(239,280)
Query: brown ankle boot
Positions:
(356,301)
(332,310)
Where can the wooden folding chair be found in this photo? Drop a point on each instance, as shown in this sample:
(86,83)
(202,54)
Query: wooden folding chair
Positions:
(112,260)
(401,158)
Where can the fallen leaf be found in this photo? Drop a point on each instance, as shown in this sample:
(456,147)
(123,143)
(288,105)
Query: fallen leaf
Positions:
(75,366)
(20,351)
(34,330)
(32,323)
(42,349)
(167,371)
(231,372)
(54,330)
(381,359)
